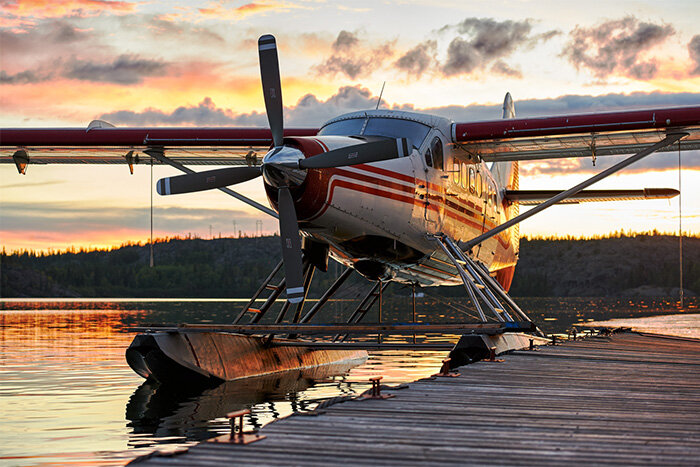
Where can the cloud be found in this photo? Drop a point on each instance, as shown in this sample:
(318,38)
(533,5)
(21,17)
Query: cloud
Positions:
(67,218)
(482,41)
(417,60)
(125,69)
(308,111)
(59,36)
(568,104)
(351,59)
(479,42)
(204,113)
(24,77)
(694,51)
(653,162)
(171,27)
(502,68)
(617,47)
(345,41)
(221,11)
(56,9)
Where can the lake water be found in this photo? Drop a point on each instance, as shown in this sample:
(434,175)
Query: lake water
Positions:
(68,396)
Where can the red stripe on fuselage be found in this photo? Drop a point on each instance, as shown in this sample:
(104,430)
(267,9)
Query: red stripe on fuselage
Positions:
(399,197)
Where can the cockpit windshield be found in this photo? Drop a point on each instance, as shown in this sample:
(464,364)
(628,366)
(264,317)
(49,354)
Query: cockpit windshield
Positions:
(379,126)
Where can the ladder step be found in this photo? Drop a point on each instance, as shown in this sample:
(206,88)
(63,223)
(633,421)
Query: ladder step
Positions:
(500,310)
(272,287)
(479,286)
(253,310)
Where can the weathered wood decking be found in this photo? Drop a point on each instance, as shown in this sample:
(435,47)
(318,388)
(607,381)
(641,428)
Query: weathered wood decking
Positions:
(625,400)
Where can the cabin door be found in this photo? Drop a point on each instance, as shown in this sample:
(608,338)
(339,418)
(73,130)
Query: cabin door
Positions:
(434,198)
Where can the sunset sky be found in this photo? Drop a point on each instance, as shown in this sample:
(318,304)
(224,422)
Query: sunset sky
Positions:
(65,63)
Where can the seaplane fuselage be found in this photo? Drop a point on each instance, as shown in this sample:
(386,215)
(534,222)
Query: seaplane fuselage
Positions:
(378,218)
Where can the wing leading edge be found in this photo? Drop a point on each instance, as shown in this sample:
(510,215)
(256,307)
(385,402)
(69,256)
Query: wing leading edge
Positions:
(585,135)
(109,145)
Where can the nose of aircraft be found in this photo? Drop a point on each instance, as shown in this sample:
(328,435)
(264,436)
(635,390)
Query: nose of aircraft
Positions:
(280,167)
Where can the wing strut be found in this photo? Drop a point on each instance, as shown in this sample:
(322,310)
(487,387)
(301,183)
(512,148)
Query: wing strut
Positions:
(159,154)
(669,139)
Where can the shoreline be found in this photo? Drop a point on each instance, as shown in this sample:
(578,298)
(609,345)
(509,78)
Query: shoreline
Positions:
(675,325)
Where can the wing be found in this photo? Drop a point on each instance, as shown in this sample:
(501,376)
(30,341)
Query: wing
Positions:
(534,197)
(584,135)
(110,145)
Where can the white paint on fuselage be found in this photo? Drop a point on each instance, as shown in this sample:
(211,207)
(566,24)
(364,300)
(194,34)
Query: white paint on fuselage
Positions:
(406,200)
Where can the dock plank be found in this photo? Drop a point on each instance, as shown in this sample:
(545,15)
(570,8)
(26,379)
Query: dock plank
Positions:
(629,399)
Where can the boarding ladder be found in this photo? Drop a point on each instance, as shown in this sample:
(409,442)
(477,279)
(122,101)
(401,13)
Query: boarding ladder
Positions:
(275,292)
(484,291)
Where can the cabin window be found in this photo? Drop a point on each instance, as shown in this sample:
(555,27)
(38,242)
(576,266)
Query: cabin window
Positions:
(428,158)
(397,128)
(472,180)
(351,126)
(379,126)
(436,147)
(464,175)
(455,172)
(478,185)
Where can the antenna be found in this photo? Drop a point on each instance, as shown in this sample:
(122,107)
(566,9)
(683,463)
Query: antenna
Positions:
(380,96)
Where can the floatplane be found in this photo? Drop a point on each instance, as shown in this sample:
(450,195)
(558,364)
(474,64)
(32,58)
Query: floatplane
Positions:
(396,196)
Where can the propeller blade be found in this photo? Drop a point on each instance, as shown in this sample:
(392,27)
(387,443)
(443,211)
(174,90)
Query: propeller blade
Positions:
(206,180)
(272,90)
(291,246)
(364,153)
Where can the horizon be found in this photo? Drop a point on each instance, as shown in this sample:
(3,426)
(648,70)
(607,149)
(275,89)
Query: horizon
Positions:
(195,63)
(90,249)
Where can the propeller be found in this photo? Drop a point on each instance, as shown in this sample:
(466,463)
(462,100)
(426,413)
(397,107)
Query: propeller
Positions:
(206,180)
(363,153)
(284,167)
(291,246)
(272,90)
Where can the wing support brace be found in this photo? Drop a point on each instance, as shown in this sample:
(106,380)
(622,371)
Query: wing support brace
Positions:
(159,154)
(668,140)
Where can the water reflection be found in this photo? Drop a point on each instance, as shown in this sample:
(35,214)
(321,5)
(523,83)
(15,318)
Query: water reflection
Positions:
(64,382)
(158,412)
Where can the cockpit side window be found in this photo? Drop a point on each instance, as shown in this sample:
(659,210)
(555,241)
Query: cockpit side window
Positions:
(436,147)
(428,158)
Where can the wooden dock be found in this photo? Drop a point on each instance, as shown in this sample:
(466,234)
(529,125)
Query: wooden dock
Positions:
(628,399)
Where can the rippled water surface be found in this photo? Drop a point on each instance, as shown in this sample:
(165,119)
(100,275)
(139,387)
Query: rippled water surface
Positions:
(68,396)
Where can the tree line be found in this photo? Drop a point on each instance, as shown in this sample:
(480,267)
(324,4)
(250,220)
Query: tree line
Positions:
(235,267)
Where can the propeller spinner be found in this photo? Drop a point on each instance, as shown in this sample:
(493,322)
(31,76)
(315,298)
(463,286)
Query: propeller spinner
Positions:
(284,167)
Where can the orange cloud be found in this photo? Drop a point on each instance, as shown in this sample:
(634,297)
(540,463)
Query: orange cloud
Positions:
(220,11)
(55,9)
(76,102)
